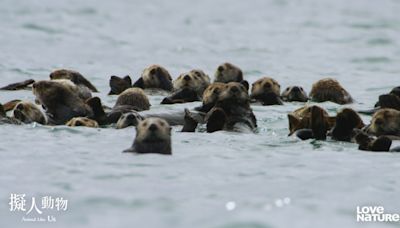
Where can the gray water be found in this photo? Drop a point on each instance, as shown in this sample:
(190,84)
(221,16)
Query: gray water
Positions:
(221,180)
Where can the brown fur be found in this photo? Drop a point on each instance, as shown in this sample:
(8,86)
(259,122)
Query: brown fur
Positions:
(301,118)
(74,76)
(329,89)
(153,135)
(196,80)
(28,112)
(385,122)
(294,93)
(211,93)
(134,97)
(155,76)
(82,121)
(228,72)
(265,85)
(60,100)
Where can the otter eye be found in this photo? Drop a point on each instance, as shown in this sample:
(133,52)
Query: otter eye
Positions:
(287,89)
(301,88)
(162,123)
(216,91)
(153,71)
(144,124)
(197,73)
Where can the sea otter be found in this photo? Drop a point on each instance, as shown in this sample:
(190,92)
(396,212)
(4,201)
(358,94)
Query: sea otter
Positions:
(267,91)
(153,135)
(210,96)
(188,87)
(294,93)
(385,122)
(60,100)
(82,121)
(74,76)
(131,99)
(231,112)
(28,112)
(228,72)
(329,89)
(155,77)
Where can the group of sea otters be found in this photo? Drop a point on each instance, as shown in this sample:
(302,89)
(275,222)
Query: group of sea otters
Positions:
(66,99)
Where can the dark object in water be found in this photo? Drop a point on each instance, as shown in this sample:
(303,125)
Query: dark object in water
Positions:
(18,85)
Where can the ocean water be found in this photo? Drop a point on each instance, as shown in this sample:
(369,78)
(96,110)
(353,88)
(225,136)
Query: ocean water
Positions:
(219,180)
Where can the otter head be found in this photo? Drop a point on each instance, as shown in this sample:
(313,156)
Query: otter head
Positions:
(228,72)
(329,89)
(294,93)
(267,91)
(155,76)
(153,135)
(129,119)
(234,91)
(134,97)
(82,122)
(189,80)
(28,112)
(385,122)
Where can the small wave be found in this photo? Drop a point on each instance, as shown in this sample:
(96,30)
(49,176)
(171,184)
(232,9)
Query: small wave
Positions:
(377,59)
(40,28)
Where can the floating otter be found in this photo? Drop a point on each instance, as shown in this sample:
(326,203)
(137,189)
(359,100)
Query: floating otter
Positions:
(188,87)
(329,89)
(232,111)
(155,77)
(153,135)
(19,85)
(129,119)
(131,99)
(74,76)
(391,100)
(385,122)
(294,93)
(368,143)
(310,122)
(267,91)
(119,85)
(228,72)
(347,121)
(82,121)
(28,112)
(60,100)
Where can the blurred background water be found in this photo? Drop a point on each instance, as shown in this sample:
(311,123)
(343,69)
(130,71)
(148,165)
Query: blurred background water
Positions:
(222,180)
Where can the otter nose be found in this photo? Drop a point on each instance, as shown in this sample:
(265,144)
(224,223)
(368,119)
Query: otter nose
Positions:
(267,85)
(153,127)
(296,89)
(78,123)
(220,68)
(186,78)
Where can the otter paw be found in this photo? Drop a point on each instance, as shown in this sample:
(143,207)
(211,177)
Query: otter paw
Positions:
(216,120)
(191,123)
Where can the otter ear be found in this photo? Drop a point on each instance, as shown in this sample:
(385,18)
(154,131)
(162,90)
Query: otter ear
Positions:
(245,84)
(294,122)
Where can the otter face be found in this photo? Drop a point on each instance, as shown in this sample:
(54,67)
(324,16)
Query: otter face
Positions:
(265,85)
(294,93)
(129,119)
(385,122)
(211,93)
(28,112)
(228,72)
(82,122)
(156,76)
(329,89)
(153,130)
(234,91)
(196,80)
